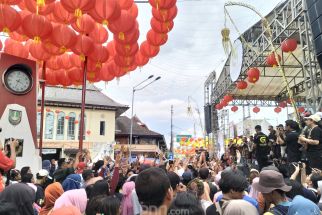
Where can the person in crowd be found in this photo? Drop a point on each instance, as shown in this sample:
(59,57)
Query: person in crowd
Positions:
(22,196)
(80,168)
(66,210)
(280,132)
(261,146)
(291,140)
(244,151)
(197,187)
(46,164)
(52,193)
(109,205)
(239,207)
(154,191)
(301,205)
(126,204)
(13,177)
(87,175)
(72,182)
(25,170)
(176,184)
(77,198)
(204,175)
(186,203)
(252,154)
(272,137)
(313,142)
(272,186)
(232,147)
(254,193)
(7,163)
(65,168)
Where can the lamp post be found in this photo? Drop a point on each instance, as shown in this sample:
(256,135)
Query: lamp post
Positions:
(135,89)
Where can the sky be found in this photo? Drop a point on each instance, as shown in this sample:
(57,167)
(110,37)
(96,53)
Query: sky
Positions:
(192,52)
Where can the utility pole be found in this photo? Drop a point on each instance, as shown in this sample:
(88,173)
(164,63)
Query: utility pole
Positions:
(171,142)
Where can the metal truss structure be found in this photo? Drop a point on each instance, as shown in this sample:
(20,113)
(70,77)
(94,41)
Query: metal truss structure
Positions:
(289,19)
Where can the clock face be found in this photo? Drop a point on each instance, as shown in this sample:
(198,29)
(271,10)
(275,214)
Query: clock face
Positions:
(18,81)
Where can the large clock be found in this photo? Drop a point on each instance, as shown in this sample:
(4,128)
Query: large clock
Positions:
(17,79)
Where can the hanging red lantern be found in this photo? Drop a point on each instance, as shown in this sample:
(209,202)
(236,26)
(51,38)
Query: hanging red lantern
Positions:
(148,50)
(51,77)
(75,75)
(123,61)
(256,109)
(15,48)
(99,55)
(277,110)
(52,63)
(63,37)
(164,15)
(62,78)
(161,27)
(301,109)
(271,59)
(228,98)
(84,25)
(99,34)
(57,111)
(107,74)
(76,121)
(234,108)
(163,4)
(10,19)
(64,61)
(76,61)
(61,15)
(224,103)
(134,11)
(289,45)
(282,104)
(241,85)
(126,50)
(253,75)
(10,2)
(48,110)
(88,132)
(94,76)
(45,9)
(18,37)
(84,46)
(141,60)
(67,117)
(123,24)
(219,106)
(49,47)
(78,7)
(130,37)
(36,50)
(126,4)
(105,12)
(156,39)
(37,27)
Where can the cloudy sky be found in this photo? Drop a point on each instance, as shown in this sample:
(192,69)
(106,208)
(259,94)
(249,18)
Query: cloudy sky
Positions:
(193,50)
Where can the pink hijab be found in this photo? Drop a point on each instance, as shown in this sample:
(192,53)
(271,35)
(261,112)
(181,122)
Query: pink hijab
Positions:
(126,205)
(77,198)
(253,191)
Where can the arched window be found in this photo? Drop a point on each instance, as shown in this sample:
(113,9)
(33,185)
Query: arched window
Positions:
(38,124)
(71,126)
(60,126)
(84,135)
(49,125)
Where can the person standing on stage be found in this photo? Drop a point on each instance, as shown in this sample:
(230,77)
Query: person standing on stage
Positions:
(262,148)
(272,137)
(313,141)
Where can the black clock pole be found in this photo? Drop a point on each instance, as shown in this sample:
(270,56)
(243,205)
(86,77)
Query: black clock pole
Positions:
(43,87)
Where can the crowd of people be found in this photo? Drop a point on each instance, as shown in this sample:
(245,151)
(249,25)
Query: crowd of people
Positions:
(278,173)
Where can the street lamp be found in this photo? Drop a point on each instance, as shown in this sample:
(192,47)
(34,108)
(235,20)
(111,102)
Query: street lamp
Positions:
(135,89)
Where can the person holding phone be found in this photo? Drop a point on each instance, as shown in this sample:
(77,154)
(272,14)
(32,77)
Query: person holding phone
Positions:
(7,163)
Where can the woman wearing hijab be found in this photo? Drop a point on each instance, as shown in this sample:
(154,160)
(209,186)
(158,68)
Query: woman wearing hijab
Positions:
(67,210)
(22,196)
(72,182)
(52,193)
(126,205)
(253,191)
(239,207)
(77,198)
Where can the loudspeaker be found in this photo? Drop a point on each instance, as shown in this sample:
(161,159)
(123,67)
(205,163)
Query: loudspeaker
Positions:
(208,120)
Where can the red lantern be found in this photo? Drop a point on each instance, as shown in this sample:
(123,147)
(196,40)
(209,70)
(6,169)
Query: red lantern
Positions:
(140,59)
(126,4)
(105,12)
(99,34)
(76,121)
(48,110)
(253,75)
(63,37)
(256,109)
(78,7)
(134,11)
(156,39)
(51,48)
(64,61)
(289,101)
(94,76)
(51,77)
(301,109)
(161,27)
(277,110)
(84,25)
(62,78)
(75,75)
(289,45)
(76,61)
(224,103)
(99,55)
(57,111)
(123,24)
(282,104)
(15,48)
(107,73)
(67,117)
(18,37)
(10,2)
(228,98)
(88,132)
(219,106)
(10,19)
(234,108)
(148,50)
(164,15)
(130,37)
(32,6)
(36,50)
(163,4)
(84,46)
(123,61)
(271,59)
(126,50)
(37,27)
(241,85)
(52,63)
(62,15)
